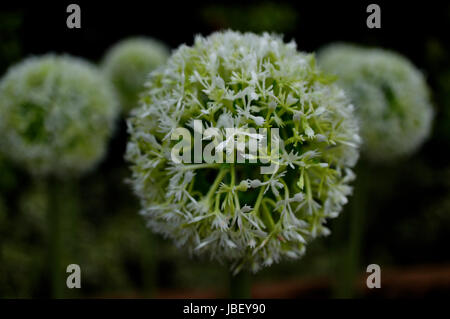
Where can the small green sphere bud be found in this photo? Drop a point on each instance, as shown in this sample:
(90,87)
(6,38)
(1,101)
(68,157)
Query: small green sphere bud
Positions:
(56,115)
(243,186)
(128,64)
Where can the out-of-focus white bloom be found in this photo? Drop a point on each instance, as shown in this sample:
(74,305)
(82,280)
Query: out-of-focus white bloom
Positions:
(230,211)
(390,95)
(128,64)
(56,115)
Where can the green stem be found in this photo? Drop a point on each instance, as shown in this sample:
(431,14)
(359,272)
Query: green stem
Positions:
(268,216)
(259,199)
(233,174)
(55,236)
(233,183)
(62,215)
(349,263)
(240,285)
(359,209)
(199,166)
(270,201)
(216,183)
(149,265)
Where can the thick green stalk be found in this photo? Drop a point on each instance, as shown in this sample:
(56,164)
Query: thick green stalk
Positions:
(349,261)
(240,285)
(149,266)
(55,239)
(63,209)
(359,210)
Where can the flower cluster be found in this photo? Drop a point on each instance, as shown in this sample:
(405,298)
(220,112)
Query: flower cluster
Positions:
(56,115)
(390,95)
(127,65)
(230,211)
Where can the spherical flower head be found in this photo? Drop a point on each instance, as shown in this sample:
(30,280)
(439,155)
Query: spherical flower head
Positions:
(253,208)
(56,115)
(127,65)
(390,95)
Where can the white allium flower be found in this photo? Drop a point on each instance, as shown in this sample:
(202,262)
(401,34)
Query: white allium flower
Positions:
(230,211)
(128,63)
(390,95)
(56,115)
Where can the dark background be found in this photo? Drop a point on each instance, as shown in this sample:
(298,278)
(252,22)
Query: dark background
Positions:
(407,227)
(406,27)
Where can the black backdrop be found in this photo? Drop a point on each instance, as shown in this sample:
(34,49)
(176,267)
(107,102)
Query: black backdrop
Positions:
(406,25)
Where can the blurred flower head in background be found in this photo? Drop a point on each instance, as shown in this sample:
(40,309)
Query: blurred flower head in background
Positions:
(390,95)
(230,211)
(56,115)
(128,64)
